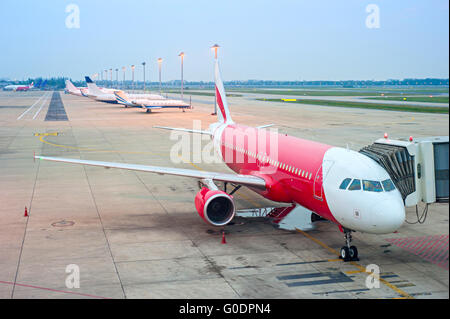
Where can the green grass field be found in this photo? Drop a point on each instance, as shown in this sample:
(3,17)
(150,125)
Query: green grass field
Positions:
(343,92)
(434,99)
(389,107)
(208,93)
(310,92)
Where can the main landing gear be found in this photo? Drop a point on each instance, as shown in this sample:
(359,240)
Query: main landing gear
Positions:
(348,253)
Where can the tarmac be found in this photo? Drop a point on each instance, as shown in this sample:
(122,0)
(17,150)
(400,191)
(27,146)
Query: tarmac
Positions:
(138,235)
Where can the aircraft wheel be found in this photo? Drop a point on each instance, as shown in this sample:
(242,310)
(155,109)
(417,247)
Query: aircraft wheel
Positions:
(353,253)
(345,253)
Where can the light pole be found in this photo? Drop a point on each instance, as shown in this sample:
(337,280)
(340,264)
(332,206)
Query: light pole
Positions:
(182,58)
(132,77)
(159,66)
(117,78)
(123,82)
(110,76)
(106,77)
(143,64)
(101,76)
(215,47)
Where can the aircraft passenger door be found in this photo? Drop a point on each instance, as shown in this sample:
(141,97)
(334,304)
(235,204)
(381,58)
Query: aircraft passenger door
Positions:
(318,181)
(320,177)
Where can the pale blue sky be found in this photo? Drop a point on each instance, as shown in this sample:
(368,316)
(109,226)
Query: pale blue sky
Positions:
(278,40)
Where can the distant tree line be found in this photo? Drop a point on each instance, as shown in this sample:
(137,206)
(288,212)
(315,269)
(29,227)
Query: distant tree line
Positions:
(57,83)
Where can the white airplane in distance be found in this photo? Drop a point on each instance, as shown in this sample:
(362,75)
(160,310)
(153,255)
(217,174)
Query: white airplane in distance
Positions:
(107,95)
(19,87)
(72,89)
(149,104)
(103,95)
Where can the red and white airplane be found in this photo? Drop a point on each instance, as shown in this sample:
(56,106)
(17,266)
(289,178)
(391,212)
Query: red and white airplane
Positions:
(338,184)
(17,88)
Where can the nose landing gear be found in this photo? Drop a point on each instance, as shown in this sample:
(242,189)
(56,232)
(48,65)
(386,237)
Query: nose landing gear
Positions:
(348,253)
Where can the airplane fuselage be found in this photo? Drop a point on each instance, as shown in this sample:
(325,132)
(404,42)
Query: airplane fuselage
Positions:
(17,88)
(310,174)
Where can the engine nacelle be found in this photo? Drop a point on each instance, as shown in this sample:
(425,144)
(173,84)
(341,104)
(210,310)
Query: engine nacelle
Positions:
(214,206)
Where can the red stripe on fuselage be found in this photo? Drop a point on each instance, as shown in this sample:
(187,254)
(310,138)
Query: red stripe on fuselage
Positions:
(220,102)
(239,148)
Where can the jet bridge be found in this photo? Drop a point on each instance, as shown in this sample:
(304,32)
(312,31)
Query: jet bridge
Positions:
(418,168)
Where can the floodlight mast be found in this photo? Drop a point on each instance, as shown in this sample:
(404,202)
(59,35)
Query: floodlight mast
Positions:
(182,59)
(124,68)
(143,64)
(159,67)
(132,77)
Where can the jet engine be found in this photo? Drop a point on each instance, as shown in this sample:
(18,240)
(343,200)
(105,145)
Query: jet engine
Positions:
(214,206)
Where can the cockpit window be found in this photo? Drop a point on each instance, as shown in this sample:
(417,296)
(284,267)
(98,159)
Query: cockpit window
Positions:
(345,183)
(372,186)
(388,185)
(355,185)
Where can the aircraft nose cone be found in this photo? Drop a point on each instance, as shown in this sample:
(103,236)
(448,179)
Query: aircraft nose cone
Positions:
(390,215)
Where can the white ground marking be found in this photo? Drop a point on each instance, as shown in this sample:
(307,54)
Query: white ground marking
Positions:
(27,110)
(47,95)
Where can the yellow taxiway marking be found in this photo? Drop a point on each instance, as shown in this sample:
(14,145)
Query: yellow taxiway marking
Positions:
(289,100)
(360,268)
(46,134)
(354,271)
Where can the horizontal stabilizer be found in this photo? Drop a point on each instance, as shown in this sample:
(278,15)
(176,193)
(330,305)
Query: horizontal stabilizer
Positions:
(264,126)
(184,130)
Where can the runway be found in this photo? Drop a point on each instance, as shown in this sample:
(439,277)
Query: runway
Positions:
(138,235)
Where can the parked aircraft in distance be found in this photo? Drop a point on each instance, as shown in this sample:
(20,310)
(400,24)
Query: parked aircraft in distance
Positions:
(107,95)
(72,89)
(337,184)
(148,103)
(19,87)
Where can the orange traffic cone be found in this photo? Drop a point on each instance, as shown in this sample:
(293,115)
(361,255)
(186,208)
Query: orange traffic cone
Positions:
(224,241)
(26,212)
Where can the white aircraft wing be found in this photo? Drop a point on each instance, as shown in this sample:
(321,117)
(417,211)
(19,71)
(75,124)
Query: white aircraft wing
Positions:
(246,180)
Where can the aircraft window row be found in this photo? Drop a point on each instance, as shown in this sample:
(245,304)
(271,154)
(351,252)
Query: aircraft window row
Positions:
(265,159)
(368,186)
